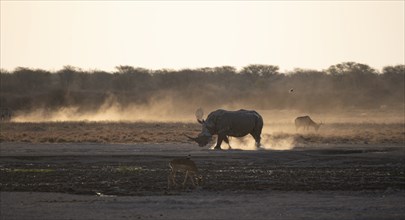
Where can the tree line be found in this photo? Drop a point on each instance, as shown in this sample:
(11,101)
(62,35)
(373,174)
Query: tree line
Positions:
(346,85)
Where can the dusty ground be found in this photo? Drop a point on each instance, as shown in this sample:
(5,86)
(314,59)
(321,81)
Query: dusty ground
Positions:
(313,180)
(139,132)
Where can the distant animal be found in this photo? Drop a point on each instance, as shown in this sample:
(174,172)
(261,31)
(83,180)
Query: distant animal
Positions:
(183,165)
(229,124)
(305,122)
(5,114)
(291,90)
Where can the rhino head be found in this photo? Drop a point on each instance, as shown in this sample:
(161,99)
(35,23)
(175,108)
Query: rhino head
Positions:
(204,137)
(201,140)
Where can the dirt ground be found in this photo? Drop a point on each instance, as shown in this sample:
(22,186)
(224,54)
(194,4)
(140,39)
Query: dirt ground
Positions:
(129,181)
(206,205)
(116,170)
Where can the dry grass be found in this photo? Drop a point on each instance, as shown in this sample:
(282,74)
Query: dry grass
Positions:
(142,132)
(96,132)
(343,133)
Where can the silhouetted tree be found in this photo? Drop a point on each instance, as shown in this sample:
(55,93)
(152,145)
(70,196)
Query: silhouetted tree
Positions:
(260,70)
(350,68)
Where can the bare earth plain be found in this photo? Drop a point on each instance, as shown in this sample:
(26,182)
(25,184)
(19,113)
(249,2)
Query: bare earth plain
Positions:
(119,170)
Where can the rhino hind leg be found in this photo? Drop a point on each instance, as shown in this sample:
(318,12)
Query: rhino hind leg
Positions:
(257,138)
(258,144)
(257,132)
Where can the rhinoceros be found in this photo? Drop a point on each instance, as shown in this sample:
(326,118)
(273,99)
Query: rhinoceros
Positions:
(229,123)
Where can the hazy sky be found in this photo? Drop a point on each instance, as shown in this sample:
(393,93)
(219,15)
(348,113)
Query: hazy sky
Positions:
(192,34)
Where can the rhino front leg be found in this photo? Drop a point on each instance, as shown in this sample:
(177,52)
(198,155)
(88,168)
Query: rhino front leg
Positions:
(226,139)
(219,142)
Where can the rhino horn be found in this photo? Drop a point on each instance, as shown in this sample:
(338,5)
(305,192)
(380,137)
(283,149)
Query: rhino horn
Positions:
(201,121)
(191,138)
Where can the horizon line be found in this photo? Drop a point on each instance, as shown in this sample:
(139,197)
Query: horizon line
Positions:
(237,68)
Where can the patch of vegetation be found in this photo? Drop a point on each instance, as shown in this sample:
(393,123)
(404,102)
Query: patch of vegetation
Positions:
(129,169)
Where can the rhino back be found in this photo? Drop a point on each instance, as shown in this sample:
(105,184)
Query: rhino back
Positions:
(235,123)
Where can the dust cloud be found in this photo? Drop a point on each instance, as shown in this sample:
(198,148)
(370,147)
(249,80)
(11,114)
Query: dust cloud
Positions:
(161,110)
(268,142)
(169,109)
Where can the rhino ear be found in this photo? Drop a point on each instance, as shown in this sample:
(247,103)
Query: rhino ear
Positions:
(199,114)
